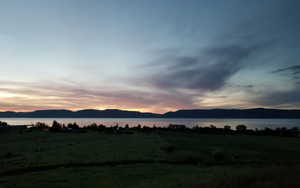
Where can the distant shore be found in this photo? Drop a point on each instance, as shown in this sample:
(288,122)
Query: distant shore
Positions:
(255,113)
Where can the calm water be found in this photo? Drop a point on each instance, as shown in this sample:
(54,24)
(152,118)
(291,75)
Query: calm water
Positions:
(251,123)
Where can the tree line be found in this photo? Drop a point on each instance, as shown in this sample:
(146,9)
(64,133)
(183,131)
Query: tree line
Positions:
(226,130)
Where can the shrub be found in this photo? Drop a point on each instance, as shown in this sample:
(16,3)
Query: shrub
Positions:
(56,127)
(241,128)
(40,125)
(3,124)
(73,126)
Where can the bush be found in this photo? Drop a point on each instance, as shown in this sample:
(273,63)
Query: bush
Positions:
(3,124)
(40,125)
(73,126)
(241,128)
(56,127)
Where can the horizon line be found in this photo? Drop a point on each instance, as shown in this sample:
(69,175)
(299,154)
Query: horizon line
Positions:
(287,109)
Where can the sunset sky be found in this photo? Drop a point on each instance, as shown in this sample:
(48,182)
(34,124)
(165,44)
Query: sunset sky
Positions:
(149,55)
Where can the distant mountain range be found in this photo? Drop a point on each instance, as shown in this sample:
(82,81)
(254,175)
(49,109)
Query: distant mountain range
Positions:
(235,113)
(115,113)
(109,113)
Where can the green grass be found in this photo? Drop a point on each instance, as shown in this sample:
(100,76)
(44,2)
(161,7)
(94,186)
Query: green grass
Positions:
(159,176)
(220,161)
(235,149)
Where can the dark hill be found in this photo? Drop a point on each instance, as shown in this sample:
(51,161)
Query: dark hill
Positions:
(109,113)
(115,113)
(234,113)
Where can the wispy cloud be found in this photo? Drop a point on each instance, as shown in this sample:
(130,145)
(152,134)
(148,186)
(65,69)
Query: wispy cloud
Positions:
(208,71)
(293,70)
(32,96)
(289,98)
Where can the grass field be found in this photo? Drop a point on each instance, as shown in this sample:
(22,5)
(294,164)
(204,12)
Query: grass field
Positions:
(161,159)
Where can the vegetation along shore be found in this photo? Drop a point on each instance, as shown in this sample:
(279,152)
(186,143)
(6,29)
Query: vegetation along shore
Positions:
(174,156)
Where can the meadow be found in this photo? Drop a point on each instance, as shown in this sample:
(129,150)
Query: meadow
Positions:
(147,159)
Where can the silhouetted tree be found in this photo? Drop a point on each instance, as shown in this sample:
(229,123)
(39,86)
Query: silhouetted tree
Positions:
(41,125)
(56,127)
(73,125)
(227,128)
(241,128)
(3,124)
(177,127)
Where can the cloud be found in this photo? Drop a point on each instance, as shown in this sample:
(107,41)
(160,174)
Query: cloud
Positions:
(286,98)
(208,71)
(289,98)
(248,86)
(294,70)
(20,96)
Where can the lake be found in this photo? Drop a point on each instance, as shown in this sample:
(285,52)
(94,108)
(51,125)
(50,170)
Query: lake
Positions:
(162,122)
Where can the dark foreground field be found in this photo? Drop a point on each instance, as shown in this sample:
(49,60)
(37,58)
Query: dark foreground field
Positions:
(157,159)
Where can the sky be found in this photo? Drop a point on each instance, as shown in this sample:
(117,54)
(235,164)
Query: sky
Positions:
(151,56)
